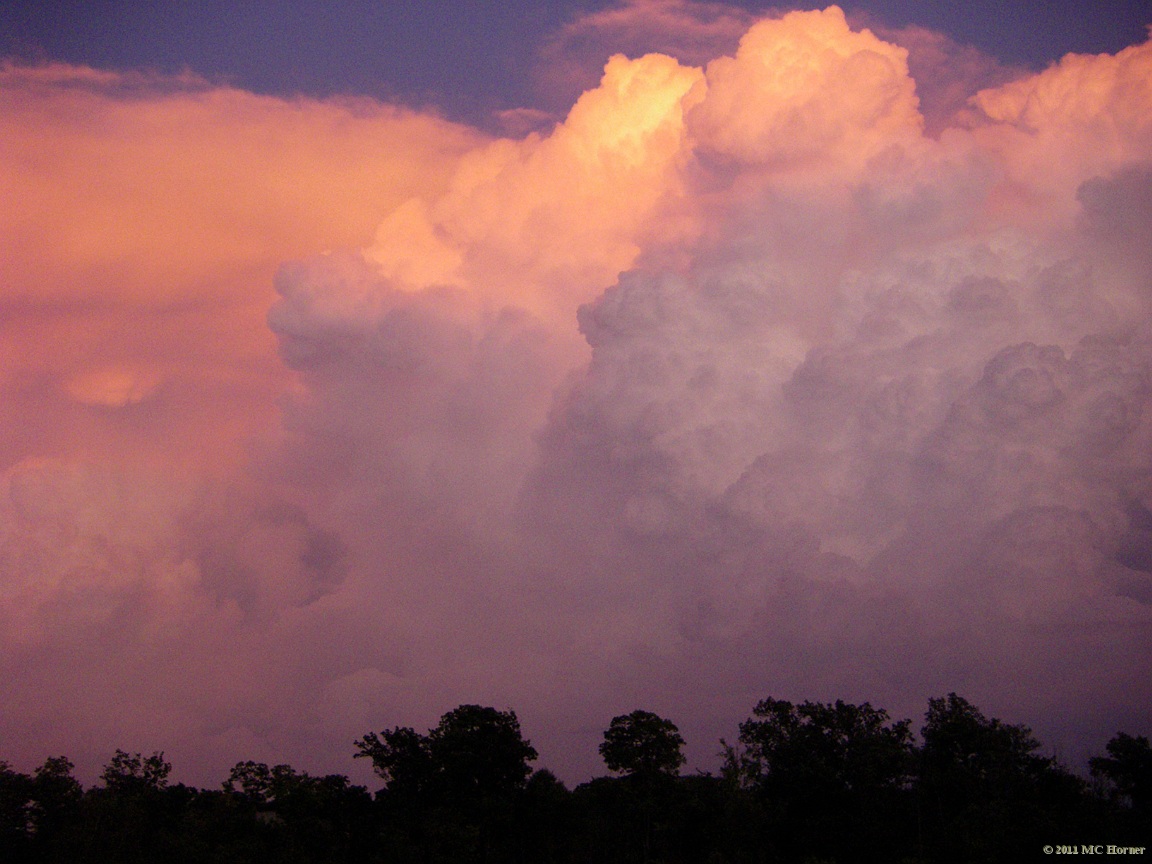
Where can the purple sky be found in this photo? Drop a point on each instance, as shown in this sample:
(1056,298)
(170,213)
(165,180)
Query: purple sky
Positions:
(358,363)
(466,58)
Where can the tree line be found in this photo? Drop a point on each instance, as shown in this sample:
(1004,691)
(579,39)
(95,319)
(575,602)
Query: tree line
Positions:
(810,783)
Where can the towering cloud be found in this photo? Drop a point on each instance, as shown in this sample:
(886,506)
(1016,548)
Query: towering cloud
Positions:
(740,380)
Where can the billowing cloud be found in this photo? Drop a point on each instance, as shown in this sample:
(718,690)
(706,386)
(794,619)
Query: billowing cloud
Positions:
(692,32)
(947,73)
(806,86)
(144,223)
(741,380)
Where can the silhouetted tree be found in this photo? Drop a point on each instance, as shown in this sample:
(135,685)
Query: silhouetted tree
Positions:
(1127,769)
(37,812)
(547,818)
(132,774)
(253,780)
(632,818)
(56,802)
(15,814)
(986,794)
(642,743)
(130,818)
(836,778)
(455,790)
(478,754)
(402,758)
(807,782)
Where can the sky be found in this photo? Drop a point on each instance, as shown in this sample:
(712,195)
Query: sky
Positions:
(358,363)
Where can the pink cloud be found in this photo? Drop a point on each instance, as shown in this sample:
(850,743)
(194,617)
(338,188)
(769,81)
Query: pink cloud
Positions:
(947,73)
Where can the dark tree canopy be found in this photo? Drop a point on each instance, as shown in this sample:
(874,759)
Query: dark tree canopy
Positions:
(822,748)
(956,730)
(480,749)
(475,752)
(833,779)
(971,756)
(642,744)
(808,782)
(15,802)
(1128,767)
(986,793)
(251,779)
(264,786)
(128,774)
(400,757)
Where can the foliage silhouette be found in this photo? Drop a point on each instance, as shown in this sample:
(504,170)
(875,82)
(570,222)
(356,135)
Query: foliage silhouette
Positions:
(835,779)
(642,743)
(454,793)
(133,774)
(985,793)
(1127,769)
(806,782)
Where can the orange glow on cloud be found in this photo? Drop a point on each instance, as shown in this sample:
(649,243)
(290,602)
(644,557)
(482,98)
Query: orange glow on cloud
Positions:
(146,219)
(544,222)
(806,87)
(113,387)
(158,190)
(1081,117)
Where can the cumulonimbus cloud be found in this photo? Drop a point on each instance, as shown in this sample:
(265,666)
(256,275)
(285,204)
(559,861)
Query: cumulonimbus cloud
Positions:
(740,380)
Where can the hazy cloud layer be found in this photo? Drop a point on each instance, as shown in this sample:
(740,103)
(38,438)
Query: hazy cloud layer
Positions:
(745,379)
